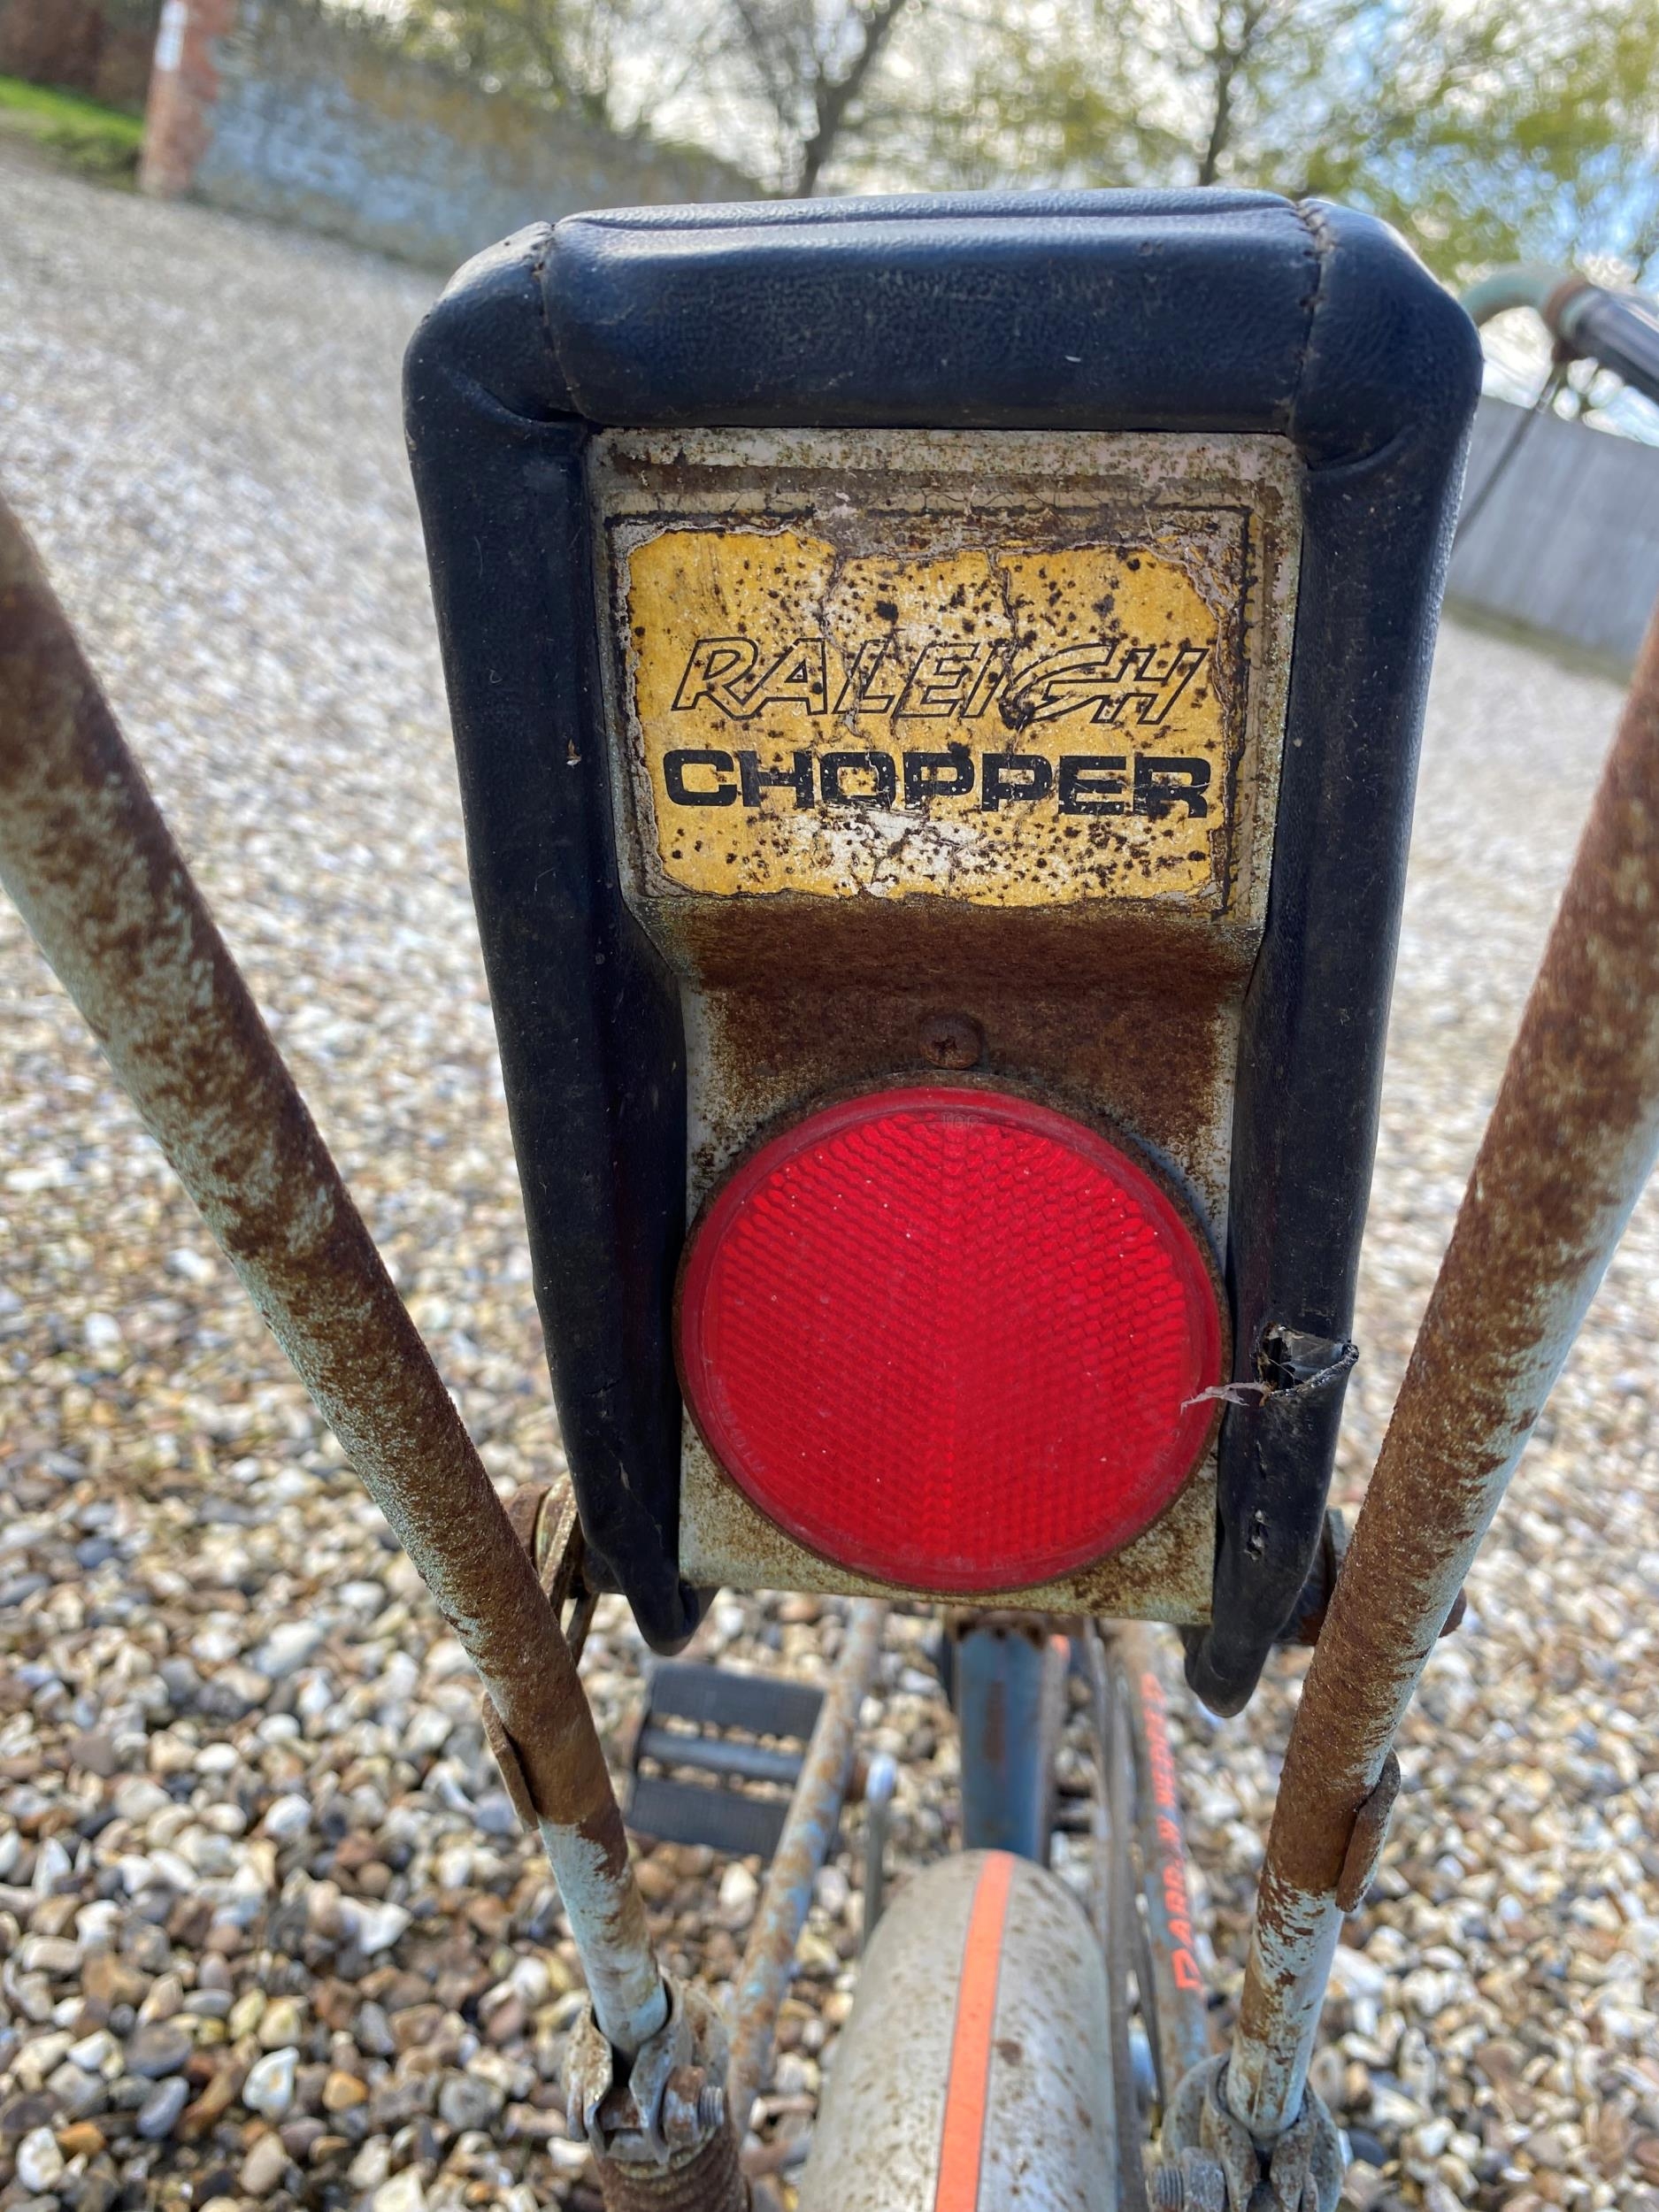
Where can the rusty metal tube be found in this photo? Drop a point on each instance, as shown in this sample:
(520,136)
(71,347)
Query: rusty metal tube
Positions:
(1178,2003)
(90,863)
(1570,1142)
(1587,320)
(1118,1787)
(807,1833)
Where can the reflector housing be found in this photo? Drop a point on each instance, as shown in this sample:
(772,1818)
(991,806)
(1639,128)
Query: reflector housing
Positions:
(951,1338)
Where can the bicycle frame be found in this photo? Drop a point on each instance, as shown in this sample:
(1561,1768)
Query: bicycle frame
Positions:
(1573,1136)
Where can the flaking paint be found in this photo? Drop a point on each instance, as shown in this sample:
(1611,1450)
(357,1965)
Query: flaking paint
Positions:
(88,860)
(1571,1140)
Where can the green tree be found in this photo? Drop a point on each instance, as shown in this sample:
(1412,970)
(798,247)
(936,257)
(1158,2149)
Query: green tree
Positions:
(618,63)
(780,88)
(1484,132)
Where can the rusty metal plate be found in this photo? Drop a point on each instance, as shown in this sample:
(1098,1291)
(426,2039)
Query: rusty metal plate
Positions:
(982,668)
(1012,727)
(985,725)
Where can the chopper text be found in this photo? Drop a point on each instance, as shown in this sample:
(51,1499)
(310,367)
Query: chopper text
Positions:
(1085,783)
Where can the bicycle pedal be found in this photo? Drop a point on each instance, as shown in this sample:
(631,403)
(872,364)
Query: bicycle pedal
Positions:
(717,1756)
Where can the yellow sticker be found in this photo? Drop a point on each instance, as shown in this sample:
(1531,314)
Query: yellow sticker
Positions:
(1014,727)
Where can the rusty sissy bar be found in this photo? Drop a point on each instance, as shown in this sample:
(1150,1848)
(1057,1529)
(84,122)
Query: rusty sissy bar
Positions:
(1571,1140)
(93,868)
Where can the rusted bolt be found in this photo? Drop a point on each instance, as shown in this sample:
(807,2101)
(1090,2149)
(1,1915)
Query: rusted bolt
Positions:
(1194,2183)
(952,1041)
(693,2108)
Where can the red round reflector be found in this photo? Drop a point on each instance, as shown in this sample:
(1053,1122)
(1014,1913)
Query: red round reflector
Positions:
(951,1338)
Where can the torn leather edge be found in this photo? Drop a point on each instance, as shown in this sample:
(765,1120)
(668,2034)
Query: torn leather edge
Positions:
(1259,1580)
(1290,1361)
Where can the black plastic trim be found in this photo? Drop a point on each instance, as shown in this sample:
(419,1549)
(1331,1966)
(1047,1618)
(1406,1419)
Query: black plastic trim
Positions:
(586,1013)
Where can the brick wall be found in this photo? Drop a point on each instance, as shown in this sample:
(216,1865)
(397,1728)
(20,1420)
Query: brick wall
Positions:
(79,46)
(184,91)
(275,108)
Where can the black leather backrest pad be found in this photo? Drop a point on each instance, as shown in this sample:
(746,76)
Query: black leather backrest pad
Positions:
(1053,310)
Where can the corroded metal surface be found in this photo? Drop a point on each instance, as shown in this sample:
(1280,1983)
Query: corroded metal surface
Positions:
(1365,1844)
(706,2179)
(1181,2018)
(546,1522)
(824,944)
(1008,1687)
(887,595)
(991,725)
(1571,1140)
(1165,1573)
(1117,1776)
(1303,2172)
(665,2104)
(86,856)
(809,1831)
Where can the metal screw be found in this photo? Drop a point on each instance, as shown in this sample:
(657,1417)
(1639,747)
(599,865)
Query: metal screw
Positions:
(1192,2184)
(693,2108)
(952,1041)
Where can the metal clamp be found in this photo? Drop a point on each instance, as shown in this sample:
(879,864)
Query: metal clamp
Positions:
(1212,2162)
(506,1757)
(673,2097)
(543,1518)
(1370,1832)
(546,1522)
(1190,2182)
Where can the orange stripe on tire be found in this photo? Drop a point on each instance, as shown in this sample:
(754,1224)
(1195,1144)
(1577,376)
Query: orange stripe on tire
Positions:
(963,2144)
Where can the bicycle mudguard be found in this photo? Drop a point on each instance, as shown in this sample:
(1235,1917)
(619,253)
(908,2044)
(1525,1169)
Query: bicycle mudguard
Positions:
(1215,441)
(975,2068)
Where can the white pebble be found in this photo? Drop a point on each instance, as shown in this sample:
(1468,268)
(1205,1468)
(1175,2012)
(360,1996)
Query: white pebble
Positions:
(138,1799)
(287,1817)
(402,2193)
(269,2088)
(378,1927)
(52,1862)
(264,2167)
(287,1648)
(40,2163)
(428,1731)
(369,2168)
(739,1892)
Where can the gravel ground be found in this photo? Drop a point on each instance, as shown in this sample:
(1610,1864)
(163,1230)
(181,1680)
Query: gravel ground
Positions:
(269,1932)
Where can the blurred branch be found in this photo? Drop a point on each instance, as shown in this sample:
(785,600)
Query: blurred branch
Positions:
(813,70)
